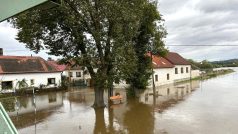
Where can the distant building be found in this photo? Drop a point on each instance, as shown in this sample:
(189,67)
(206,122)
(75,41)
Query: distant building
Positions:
(73,73)
(34,71)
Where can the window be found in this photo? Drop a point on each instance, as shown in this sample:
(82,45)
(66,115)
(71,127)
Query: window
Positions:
(156,77)
(186,69)
(176,70)
(70,74)
(181,70)
(78,74)
(32,81)
(167,76)
(168,91)
(7,85)
(51,80)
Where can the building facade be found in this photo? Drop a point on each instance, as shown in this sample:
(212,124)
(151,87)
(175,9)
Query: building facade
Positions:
(26,71)
(170,69)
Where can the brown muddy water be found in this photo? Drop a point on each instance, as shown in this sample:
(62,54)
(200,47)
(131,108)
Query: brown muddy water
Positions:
(197,107)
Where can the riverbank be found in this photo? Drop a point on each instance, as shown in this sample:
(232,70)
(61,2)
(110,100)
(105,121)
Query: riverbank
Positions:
(214,73)
(210,74)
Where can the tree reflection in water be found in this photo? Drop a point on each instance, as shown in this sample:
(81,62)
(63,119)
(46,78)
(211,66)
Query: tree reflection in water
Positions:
(132,122)
(136,124)
(100,126)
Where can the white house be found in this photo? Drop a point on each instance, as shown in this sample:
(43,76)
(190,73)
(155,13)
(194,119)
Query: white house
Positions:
(163,71)
(73,73)
(171,68)
(34,71)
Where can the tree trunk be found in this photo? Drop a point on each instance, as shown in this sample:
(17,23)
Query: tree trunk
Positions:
(99,97)
(110,92)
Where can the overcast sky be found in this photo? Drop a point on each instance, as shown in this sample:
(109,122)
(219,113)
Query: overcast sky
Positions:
(202,22)
(188,22)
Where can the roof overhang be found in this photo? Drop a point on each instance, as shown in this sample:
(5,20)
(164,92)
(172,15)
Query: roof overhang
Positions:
(9,8)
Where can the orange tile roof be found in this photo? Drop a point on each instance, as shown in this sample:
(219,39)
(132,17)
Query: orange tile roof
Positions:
(59,67)
(160,62)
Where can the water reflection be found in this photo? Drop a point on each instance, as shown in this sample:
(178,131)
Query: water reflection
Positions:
(23,109)
(168,95)
(138,118)
(71,112)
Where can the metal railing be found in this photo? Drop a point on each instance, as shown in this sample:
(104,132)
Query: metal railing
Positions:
(6,125)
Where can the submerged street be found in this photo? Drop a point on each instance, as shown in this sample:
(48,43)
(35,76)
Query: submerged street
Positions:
(197,107)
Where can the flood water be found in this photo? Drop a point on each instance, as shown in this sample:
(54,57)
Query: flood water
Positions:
(197,107)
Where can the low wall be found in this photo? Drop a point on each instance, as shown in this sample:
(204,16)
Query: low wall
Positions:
(195,73)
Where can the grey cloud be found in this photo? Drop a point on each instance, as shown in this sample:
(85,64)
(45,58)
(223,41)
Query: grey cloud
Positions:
(200,22)
(12,47)
(171,6)
(217,5)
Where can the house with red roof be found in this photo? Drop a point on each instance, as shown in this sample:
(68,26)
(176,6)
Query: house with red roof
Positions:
(166,70)
(73,73)
(33,71)
(171,68)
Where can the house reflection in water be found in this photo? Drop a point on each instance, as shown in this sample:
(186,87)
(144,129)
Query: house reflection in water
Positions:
(168,95)
(137,115)
(22,109)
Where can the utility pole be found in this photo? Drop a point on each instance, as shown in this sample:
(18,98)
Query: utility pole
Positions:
(152,70)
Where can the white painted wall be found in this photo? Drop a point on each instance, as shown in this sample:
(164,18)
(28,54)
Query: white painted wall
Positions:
(162,76)
(182,76)
(195,73)
(66,73)
(86,76)
(120,85)
(39,78)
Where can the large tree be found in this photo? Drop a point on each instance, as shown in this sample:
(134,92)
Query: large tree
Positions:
(149,38)
(94,33)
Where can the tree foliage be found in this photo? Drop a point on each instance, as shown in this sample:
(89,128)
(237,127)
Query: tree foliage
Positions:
(93,33)
(149,38)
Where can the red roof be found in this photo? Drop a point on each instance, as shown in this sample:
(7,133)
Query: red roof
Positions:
(176,59)
(62,67)
(160,62)
(57,66)
(24,64)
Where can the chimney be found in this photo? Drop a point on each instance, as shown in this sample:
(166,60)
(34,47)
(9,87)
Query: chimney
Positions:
(1,52)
